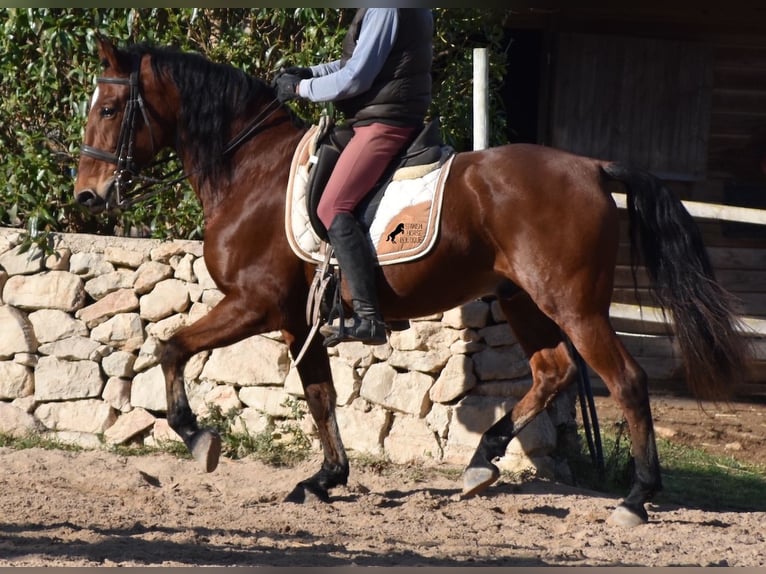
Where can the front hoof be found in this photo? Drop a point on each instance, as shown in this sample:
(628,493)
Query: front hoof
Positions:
(304,491)
(627,517)
(477,478)
(205,447)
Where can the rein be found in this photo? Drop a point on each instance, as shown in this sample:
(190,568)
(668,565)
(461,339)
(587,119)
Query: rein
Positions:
(145,192)
(127,172)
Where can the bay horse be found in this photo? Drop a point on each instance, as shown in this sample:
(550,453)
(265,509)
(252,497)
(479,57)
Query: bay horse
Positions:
(534,226)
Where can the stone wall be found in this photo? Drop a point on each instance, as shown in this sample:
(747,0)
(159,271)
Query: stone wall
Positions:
(81,333)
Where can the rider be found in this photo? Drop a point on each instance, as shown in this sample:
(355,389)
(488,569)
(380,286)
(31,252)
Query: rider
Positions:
(382,84)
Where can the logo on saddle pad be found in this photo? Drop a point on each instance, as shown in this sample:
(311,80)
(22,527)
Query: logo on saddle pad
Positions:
(392,236)
(407,235)
(406,222)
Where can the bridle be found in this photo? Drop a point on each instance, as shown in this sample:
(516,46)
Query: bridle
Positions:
(127,173)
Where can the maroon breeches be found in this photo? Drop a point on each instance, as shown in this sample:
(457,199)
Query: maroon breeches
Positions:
(360,165)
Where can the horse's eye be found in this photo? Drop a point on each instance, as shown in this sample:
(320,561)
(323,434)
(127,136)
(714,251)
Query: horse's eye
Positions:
(108,112)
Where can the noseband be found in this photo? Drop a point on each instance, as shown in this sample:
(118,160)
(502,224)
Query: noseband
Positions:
(126,170)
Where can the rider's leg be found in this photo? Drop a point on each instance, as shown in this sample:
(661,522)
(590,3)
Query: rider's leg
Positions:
(360,165)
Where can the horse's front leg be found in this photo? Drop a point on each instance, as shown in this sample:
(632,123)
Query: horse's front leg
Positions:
(316,377)
(228,322)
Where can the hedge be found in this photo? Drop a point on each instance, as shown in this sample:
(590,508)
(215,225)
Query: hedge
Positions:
(48,64)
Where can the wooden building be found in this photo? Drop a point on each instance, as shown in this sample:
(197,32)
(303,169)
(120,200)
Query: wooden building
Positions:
(679,89)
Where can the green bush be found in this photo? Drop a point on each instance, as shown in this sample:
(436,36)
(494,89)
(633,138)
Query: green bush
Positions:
(48,64)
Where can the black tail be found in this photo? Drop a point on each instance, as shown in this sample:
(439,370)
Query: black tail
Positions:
(670,246)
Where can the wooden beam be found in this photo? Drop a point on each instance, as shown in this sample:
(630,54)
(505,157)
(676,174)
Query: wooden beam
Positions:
(752,325)
(712,211)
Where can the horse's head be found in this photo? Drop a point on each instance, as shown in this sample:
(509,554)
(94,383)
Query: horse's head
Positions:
(148,98)
(121,133)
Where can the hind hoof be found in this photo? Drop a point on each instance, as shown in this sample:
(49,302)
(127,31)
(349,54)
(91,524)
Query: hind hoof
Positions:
(305,491)
(627,518)
(477,478)
(206,449)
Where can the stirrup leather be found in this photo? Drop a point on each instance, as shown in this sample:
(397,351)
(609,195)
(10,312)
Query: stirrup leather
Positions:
(318,308)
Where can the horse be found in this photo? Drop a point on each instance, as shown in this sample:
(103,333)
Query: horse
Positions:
(534,226)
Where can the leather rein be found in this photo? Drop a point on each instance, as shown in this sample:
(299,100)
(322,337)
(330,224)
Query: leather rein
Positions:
(127,173)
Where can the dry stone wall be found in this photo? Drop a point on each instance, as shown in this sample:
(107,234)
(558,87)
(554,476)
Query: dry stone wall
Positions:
(81,333)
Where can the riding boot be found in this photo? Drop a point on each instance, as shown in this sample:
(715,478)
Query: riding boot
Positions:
(356,261)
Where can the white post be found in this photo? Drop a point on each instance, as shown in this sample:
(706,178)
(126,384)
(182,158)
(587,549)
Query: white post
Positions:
(480,99)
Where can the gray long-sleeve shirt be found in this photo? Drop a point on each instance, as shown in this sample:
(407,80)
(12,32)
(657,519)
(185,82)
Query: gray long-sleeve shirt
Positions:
(376,37)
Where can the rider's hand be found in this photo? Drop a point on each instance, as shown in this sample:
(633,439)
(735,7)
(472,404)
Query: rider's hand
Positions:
(286,84)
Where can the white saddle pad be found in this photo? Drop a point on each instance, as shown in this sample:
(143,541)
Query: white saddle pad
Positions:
(406,223)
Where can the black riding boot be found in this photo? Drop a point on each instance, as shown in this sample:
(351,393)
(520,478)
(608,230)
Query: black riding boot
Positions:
(356,260)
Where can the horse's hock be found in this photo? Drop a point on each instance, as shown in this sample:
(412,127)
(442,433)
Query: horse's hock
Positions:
(82,331)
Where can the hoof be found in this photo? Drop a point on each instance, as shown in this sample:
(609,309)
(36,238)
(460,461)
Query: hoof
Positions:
(305,491)
(477,478)
(206,449)
(624,516)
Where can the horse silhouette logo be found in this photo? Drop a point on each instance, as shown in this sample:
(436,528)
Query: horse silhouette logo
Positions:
(392,236)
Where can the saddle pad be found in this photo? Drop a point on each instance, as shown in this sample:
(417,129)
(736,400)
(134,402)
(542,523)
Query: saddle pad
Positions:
(405,226)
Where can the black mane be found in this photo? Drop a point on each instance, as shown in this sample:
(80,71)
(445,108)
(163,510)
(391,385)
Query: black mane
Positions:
(212,96)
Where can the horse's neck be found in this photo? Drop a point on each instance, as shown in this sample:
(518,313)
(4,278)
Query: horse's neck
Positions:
(259,165)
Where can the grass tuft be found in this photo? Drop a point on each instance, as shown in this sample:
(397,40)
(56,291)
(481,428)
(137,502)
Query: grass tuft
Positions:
(279,444)
(36,440)
(690,477)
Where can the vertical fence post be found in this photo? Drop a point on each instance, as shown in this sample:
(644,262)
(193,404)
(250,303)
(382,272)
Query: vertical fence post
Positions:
(480,99)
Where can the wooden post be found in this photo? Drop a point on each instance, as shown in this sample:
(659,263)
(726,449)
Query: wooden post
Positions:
(480,99)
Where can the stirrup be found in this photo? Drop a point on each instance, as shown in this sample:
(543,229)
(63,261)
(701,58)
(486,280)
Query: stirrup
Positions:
(369,331)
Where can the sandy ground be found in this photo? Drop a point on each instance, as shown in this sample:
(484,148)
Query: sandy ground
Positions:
(97,508)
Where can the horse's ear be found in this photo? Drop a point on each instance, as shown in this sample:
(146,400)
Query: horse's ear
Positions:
(107,53)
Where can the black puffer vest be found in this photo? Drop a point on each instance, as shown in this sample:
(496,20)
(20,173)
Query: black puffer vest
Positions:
(401,93)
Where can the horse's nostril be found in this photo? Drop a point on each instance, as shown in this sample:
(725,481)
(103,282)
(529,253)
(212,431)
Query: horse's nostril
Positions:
(86,197)
(90,200)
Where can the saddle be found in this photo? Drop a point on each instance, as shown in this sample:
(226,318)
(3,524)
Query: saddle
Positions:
(418,173)
(425,149)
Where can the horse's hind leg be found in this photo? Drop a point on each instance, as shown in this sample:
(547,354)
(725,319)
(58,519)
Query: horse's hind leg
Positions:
(600,346)
(316,377)
(552,369)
